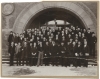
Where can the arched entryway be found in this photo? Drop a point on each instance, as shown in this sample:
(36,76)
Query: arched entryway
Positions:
(58,15)
(75,11)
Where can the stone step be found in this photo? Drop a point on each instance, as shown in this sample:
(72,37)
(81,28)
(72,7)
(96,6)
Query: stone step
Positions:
(3,56)
(7,59)
(7,62)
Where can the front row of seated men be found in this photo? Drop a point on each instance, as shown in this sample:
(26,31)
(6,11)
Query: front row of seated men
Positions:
(37,54)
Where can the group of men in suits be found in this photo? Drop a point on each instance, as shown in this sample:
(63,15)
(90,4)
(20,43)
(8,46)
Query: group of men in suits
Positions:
(57,46)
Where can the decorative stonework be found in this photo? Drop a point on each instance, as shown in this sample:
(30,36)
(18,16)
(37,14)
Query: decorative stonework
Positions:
(90,13)
(8,9)
(31,10)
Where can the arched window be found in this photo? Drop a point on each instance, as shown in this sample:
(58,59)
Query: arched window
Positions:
(59,22)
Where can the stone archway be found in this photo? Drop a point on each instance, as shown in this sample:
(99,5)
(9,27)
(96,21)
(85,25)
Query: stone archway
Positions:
(31,10)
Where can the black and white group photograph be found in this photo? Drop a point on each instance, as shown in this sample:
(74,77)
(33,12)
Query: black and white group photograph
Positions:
(52,39)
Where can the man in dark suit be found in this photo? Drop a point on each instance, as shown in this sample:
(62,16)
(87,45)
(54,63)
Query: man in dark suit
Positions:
(18,50)
(11,53)
(78,54)
(66,37)
(46,54)
(30,50)
(54,50)
(93,44)
(89,37)
(57,39)
(40,54)
(17,38)
(21,39)
(25,53)
(68,54)
(10,38)
(73,50)
(85,52)
(62,51)
(34,55)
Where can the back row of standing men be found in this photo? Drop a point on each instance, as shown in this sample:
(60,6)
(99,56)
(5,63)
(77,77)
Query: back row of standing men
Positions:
(65,46)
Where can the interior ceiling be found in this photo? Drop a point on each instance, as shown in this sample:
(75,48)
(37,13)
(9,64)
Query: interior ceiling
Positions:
(54,13)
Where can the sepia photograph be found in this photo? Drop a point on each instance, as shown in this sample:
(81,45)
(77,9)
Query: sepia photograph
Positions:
(49,39)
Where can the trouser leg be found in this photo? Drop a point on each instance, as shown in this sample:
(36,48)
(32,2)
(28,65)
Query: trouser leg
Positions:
(41,62)
(23,61)
(41,58)
(65,62)
(32,61)
(57,61)
(35,61)
(11,60)
(46,61)
(61,60)
(93,51)
(53,61)
(75,61)
(17,61)
(79,62)
(27,61)
(38,61)
(85,63)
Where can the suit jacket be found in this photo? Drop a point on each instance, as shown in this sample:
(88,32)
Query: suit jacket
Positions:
(35,53)
(62,48)
(85,50)
(73,50)
(78,49)
(68,50)
(50,47)
(18,50)
(54,50)
(93,41)
(14,38)
(46,51)
(12,50)
(89,36)
(10,38)
(40,48)
(25,52)
(21,40)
